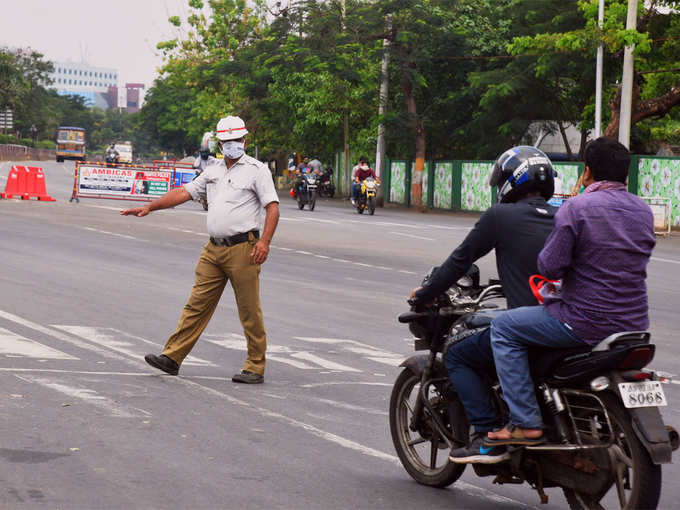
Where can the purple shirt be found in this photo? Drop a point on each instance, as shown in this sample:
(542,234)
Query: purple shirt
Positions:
(599,247)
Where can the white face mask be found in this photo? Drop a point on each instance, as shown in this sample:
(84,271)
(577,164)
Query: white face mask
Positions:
(232,149)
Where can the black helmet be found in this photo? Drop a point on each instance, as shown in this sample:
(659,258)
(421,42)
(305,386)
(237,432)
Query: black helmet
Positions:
(521,170)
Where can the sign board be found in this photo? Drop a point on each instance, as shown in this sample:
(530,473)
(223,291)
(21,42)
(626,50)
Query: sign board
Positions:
(6,119)
(126,182)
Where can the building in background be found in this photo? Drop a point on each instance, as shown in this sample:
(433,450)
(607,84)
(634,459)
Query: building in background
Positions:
(134,97)
(94,84)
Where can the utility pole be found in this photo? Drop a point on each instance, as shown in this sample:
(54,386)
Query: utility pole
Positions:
(626,107)
(598,75)
(382,108)
(348,177)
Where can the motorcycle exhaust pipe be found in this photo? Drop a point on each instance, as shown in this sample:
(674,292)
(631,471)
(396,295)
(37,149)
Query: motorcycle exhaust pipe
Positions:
(673,437)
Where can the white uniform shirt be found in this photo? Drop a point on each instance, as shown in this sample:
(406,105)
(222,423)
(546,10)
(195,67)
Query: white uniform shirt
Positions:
(236,196)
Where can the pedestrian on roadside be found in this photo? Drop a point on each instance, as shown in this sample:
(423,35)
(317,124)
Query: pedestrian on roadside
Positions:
(238,189)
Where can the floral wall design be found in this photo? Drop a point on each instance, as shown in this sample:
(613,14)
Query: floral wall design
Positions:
(443,184)
(567,175)
(661,178)
(425,181)
(475,192)
(398,182)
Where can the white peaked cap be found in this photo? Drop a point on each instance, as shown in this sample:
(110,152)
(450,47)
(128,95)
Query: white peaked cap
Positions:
(231,128)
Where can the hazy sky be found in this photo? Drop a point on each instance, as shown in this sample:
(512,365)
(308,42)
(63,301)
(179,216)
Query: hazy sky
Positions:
(121,34)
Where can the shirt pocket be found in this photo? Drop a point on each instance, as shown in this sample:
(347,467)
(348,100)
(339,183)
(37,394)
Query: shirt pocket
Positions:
(237,188)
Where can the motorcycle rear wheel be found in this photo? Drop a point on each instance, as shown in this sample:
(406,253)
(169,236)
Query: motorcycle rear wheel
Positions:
(638,481)
(301,204)
(420,455)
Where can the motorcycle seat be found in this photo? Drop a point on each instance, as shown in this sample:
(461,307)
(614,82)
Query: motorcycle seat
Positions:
(481,318)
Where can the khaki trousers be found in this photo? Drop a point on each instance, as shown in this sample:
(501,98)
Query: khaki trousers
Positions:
(216,266)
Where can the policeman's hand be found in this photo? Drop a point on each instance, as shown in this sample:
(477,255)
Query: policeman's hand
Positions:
(413,292)
(136,211)
(260,252)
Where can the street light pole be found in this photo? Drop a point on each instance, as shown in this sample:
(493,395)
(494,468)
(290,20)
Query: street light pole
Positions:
(626,108)
(598,76)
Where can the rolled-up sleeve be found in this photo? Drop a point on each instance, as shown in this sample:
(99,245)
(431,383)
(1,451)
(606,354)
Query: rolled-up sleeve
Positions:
(264,187)
(197,185)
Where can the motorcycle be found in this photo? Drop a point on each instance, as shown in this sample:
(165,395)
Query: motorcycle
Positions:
(606,437)
(326,186)
(112,157)
(306,194)
(366,200)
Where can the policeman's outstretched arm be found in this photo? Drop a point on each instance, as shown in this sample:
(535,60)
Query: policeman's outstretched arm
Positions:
(271,220)
(170,199)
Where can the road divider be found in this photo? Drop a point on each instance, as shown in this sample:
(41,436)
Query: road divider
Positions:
(26,182)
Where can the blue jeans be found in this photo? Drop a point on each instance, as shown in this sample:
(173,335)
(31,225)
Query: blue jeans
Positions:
(511,336)
(356,189)
(466,362)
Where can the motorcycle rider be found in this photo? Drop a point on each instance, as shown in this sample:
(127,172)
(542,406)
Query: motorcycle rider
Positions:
(205,158)
(363,172)
(206,153)
(516,228)
(112,154)
(599,248)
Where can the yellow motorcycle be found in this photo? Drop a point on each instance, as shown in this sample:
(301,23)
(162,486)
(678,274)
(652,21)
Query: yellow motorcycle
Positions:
(366,200)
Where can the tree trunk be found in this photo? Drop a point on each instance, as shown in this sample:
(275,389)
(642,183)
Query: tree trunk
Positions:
(570,154)
(419,136)
(654,107)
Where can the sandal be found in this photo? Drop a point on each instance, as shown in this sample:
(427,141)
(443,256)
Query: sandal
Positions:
(512,435)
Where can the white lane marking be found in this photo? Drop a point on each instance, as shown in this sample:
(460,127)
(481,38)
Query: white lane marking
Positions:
(114,339)
(344,405)
(343,261)
(106,232)
(351,346)
(405,272)
(318,220)
(322,257)
(364,265)
(59,335)
(13,345)
(412,236)
(341,441)
(303,252)
(291,362)
(86,395)
(393,362)
(407,225)
(331,365)
(659,259)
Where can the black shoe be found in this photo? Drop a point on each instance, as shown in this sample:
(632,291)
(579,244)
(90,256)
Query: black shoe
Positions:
(163,363)
(248,377)
(477,453)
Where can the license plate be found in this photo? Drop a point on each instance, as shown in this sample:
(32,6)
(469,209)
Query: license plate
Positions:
(642,394)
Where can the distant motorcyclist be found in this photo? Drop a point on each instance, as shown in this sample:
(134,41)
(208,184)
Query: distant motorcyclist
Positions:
(362,172)
(112,154)
(206,153)
(206,157)
(516,228)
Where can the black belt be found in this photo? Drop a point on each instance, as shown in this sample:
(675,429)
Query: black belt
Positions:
(235,239)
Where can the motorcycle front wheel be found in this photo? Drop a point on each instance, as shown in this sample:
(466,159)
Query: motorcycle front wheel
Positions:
(371,206)
(423,453)
(312,201)
(636,480)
